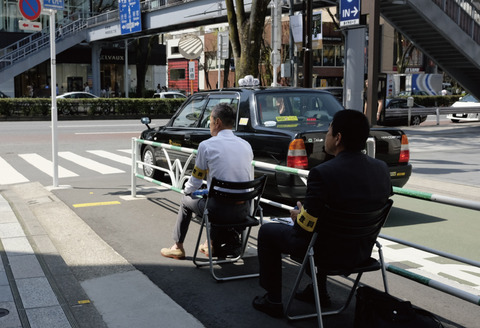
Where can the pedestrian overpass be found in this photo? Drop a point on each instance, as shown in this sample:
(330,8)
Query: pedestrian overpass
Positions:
(448,31)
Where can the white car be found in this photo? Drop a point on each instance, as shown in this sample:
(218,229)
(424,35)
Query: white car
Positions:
(76,95)
(169,94)
(465,101)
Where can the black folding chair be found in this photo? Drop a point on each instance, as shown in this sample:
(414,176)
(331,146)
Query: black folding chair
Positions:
(358,229)
(231,192)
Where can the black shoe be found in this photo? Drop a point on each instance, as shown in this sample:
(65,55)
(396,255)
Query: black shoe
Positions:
(308,296)
(263,304)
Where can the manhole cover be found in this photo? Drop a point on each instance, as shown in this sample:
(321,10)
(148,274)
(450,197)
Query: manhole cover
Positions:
(3,312)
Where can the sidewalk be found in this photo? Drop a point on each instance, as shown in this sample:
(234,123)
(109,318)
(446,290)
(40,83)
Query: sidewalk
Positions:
(48,280)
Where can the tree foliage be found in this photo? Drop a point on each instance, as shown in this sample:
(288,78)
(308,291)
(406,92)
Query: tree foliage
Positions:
(246,32)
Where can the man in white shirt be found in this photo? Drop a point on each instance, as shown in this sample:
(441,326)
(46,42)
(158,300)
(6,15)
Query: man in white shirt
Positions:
(224,156)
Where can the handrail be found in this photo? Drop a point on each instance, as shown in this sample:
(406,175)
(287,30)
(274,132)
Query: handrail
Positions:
(464,13)
(437,111)
(174,169)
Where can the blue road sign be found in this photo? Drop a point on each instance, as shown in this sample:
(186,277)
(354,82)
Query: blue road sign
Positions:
(349,12)
(54,4)
(130,16)
(30,9)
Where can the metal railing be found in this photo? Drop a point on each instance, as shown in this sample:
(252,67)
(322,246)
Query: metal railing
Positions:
(177,173)
(416,111)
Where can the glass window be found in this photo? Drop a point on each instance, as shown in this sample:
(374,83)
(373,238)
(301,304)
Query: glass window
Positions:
(177,74)
(190,114)
(289,110)
(230,100)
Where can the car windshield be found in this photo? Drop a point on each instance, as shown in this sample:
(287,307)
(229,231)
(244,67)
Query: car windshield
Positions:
(291,109)
(468,98)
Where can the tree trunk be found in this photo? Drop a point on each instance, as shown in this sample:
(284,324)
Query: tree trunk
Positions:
(246,32)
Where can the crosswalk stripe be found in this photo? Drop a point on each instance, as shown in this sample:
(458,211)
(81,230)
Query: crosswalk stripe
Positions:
(88,163)
(114,157)
(46,166)
(128,151)
(9,174)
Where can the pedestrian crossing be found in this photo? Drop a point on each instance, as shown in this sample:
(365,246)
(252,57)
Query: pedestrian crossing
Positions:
(29,167)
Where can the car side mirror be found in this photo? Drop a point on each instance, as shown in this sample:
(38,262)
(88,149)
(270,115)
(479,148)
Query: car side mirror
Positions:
(146,121)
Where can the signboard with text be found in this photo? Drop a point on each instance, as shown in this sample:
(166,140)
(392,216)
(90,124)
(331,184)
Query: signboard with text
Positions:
(349,12)
(130,16)
(54,4)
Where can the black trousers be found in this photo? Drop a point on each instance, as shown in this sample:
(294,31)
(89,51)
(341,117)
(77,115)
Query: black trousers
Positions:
(275,239)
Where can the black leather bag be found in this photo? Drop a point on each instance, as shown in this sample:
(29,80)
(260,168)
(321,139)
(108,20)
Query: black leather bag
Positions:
(376,309)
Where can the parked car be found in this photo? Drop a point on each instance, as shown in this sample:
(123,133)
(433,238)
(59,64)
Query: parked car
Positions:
(75,107)
(169,94)
(396,103)
(76,95)
(295,139)
(465,101)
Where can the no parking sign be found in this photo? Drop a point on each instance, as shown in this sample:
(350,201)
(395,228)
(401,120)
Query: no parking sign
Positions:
(30,9)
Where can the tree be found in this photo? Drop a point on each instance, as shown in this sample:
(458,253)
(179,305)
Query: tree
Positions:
(404,52)
(246,32)
(143,49)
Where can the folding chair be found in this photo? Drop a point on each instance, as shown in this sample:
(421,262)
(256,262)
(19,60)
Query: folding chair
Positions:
(359,229)
(231,192)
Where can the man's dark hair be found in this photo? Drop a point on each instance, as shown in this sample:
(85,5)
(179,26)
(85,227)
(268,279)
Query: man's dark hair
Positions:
(353,126)
(225,113)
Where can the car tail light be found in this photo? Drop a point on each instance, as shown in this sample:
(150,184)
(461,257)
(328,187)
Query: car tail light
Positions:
(297,155)
(404,150)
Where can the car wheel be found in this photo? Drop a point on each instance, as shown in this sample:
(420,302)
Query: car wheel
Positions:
(455,121)
(148,157)
(416,120)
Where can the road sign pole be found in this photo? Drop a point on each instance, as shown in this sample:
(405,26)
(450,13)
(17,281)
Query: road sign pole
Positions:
(53,89)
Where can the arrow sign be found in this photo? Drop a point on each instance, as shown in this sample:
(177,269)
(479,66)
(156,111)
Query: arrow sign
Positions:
(29,26)
(30,9)
(349,12)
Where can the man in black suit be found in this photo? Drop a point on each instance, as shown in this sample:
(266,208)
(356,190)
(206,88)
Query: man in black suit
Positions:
(350,181)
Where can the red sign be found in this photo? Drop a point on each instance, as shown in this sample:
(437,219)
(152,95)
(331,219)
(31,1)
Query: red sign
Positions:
(30,9)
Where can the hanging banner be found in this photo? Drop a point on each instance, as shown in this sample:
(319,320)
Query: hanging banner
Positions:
(317,30)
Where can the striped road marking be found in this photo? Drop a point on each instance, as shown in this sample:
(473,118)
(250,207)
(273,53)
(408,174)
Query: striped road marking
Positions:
(88,163)
(46,166)
(114,157)
(9,174)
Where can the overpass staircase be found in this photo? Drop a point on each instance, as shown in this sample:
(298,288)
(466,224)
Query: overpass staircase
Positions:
(35,48)
(447,31)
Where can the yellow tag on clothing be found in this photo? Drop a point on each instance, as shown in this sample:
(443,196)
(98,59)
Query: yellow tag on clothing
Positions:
(306,221)
(199,173)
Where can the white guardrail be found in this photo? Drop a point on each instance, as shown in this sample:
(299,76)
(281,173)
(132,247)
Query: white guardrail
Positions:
(415,111)
(177,173)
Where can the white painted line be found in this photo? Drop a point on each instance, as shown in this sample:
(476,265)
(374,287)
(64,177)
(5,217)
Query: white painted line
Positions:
(128,151)
(88,163)
(120,132)
(9,175)
(46,166)
(112,156)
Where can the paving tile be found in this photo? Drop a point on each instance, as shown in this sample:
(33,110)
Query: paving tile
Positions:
(36,292)
(17,246)
(5,294)
(10,230)
(25,266)
(11,320)
(49,317)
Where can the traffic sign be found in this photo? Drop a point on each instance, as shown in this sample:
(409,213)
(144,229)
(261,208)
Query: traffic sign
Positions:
(54,4)
(349,12)
(30,9)
(29,26)
(130,16)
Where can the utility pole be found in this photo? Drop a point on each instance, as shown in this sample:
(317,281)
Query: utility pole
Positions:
(373,11)
(276,14)
(307,37)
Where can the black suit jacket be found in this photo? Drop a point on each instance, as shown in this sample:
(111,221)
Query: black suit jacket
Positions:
(351,181)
